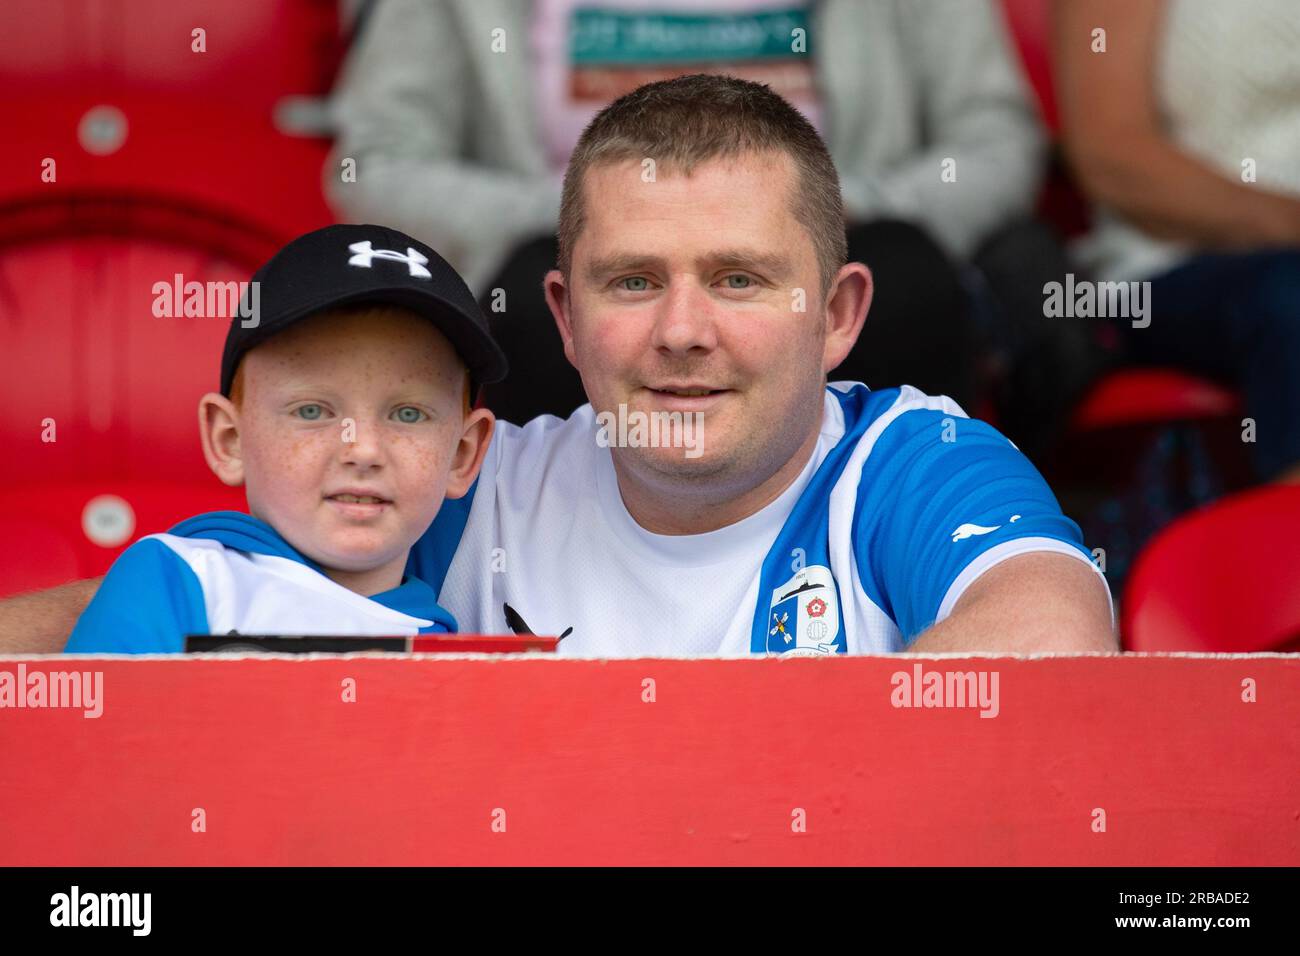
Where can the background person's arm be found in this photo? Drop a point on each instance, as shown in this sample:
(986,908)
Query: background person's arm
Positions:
(959,85)
(977,110)
(1113,139)
(406,106)
(1038,602)
(40,622)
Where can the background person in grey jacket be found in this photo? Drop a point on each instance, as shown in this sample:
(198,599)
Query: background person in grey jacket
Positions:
(457,116)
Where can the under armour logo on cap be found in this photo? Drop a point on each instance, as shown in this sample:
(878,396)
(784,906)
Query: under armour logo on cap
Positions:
(363,254)
(294,286)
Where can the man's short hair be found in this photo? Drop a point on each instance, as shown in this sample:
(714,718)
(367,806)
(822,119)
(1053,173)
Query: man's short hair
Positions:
(683,122)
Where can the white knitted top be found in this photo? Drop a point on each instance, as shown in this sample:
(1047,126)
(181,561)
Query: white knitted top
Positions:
(1228,85)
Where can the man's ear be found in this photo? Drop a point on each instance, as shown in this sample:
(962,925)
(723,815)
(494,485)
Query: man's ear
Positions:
(846,312)
(557,298)
(467,459)
(219,433)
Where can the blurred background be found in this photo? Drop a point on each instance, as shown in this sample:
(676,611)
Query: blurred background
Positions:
(987,151)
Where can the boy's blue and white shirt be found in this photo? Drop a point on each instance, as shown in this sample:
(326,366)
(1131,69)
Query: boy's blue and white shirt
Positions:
(903,504)
(225,571)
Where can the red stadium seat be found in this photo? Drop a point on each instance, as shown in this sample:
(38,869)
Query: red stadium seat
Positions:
(254,53)
(1030,25)
(129,157)
(1152,396)
(162,155)
(1225,578)
(97,385)
(111,102)
(59,532)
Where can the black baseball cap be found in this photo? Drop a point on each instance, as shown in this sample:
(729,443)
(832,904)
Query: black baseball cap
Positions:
(362,264)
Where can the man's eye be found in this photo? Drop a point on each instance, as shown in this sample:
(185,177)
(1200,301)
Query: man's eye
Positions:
(635,283)
(409,414)
(739,281)
(310,412)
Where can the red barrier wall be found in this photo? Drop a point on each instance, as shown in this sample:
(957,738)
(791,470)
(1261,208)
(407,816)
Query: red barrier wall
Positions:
(714,771)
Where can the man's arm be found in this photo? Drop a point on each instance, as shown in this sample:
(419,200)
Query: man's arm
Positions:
(961,541)
(1034,602)
(40,622)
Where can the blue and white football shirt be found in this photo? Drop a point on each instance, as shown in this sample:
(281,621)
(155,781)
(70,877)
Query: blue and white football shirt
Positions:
(225,571)
(904,502)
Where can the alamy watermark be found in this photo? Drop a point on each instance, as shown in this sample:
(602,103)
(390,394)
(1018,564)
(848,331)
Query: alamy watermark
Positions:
(1102,300)
(922,688)
(82,690)
(75,908)
(208,300)
(652,430)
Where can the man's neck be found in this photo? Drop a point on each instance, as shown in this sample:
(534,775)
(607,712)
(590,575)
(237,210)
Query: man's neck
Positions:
(697,507)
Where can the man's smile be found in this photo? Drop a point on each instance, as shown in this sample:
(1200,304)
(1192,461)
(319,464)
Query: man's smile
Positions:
(685,397)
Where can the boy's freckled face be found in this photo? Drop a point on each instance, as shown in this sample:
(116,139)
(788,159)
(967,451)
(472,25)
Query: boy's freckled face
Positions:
(351,405)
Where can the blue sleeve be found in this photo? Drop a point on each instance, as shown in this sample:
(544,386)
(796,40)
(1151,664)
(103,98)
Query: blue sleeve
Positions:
(430,558)
(937,492)
(147,603)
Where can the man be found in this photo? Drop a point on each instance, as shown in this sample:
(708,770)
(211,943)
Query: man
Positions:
(898,88)
(702,285)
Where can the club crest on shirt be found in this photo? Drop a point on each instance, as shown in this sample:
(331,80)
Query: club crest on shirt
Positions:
(805,614)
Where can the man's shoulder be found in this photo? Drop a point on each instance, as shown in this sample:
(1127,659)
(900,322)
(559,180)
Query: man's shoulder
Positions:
(908,442)
(546,430)
(876,421)
(931,499)
(526,452)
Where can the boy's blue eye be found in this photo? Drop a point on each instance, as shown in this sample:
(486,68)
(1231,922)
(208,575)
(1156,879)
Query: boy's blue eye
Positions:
(310,412)
(415,416)
(635,279)
(743,278)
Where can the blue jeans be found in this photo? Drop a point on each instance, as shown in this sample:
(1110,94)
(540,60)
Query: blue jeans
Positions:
(1235,319)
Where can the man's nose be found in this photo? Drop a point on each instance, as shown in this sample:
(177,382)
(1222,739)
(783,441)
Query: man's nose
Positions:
(685,319)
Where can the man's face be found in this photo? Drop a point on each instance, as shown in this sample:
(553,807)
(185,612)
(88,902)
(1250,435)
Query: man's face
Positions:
(700,293)
(401,385)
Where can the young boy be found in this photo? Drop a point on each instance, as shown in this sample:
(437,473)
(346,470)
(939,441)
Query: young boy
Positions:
(345,413)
